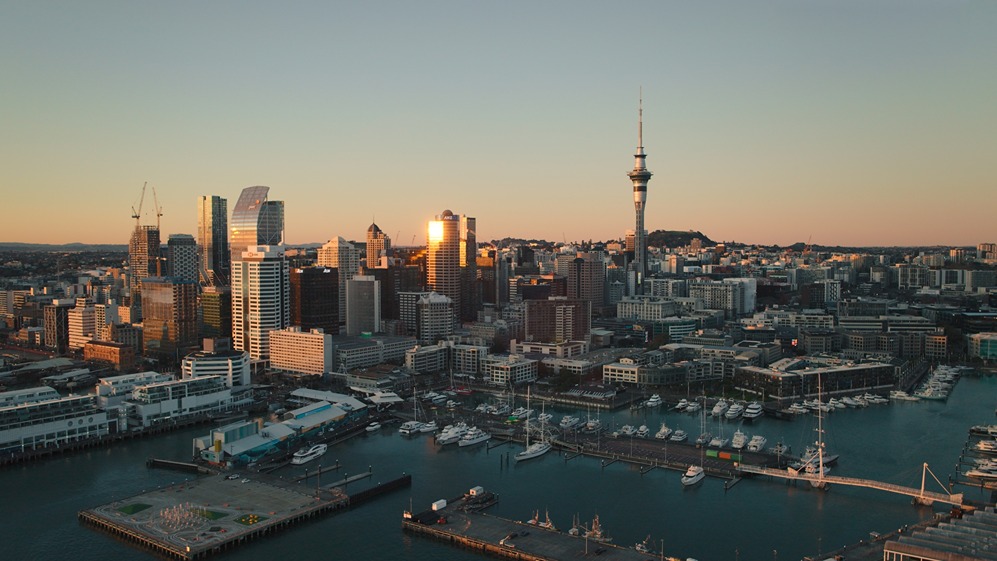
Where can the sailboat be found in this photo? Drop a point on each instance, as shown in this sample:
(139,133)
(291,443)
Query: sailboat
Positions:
(814,462)
(414,426)
(539,447)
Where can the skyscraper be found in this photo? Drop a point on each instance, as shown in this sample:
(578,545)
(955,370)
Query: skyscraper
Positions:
(443,257)
(143,256)
(315,298)
(469,283)
(212,240)
(639,176)
(377,243)
(363,305)
(260,298)
(340,254)
(181,257)
(169,316)
(216,312)
(256,221)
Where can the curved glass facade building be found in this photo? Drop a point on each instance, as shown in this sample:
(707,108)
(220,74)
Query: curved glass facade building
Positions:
(255,221)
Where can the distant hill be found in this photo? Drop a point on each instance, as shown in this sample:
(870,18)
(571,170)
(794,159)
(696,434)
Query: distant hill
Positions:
(674,238)
(69,247)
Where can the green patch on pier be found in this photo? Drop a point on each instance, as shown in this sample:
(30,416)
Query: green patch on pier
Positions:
(133,508)
(250,519)
(210,514)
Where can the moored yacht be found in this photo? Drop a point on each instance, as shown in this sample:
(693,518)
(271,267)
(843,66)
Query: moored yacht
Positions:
(682,404)
(451,434)
(752,411)
(569,422)
(306,455)
(373,427)
(735,411)
(473,436)
(679,436)
(534,450)
(664,432)
(410,427)
(757,443)
(642,432)
(654,401)
(739,440)
(428,427)
(720,408)
(693,475)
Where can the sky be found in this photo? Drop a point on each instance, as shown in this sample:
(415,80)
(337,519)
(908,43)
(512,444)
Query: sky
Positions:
(842,122)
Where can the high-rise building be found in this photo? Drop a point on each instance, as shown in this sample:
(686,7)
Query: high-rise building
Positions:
(586,274)
(212,240)
(181,257)
(407,310)
(216,312)
(260,298)
(470,286)
(378,243)
(315,298)
(143,255)
(56,321)
(640,176)
(256,221)
(363,305)
(443,257)
(341,255)
(169,312)
(394,281)
(103,315)
(82,323)
(558,319)
(434,318)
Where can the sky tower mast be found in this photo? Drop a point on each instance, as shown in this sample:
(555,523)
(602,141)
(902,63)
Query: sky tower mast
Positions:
(640,176)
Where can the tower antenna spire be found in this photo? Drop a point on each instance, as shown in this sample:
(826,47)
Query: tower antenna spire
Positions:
(640,120)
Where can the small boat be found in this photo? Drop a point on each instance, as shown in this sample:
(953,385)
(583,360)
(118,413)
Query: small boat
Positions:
(836,403)
(757,443)
(752,411)
(592,426)
(373,427)
(798,409)
(679,436)
(985,474)
(545,417)
(643,547)
(627,430)
(654,401)
(850,402)
(664,433)
(473,436)
(739,440)
(306,455)
(451,404)
(693,407)
(693,475)
(682,404)
(704,439)
(985,430)
(901,395)
(596,533)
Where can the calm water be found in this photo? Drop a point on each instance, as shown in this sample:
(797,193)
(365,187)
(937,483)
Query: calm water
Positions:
(750,521)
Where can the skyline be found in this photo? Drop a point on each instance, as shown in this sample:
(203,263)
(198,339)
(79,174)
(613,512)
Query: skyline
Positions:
(878,118)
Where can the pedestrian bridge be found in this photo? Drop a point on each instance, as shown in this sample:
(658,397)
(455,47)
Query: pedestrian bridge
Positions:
(921,496)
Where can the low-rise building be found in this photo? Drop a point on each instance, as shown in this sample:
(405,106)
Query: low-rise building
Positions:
(51,422)
(118,355)
(181,399)
(302,352)
(511,369)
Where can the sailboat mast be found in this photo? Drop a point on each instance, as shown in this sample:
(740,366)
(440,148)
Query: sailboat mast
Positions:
(820,432)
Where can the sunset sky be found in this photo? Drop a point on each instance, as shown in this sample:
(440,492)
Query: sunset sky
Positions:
(848,122)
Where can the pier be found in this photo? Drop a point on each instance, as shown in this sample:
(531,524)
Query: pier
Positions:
(210,515)
(461,523)
(920,495)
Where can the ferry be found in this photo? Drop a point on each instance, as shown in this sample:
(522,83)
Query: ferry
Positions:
(306,455)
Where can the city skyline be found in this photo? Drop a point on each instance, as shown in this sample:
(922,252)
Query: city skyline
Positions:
(843,123)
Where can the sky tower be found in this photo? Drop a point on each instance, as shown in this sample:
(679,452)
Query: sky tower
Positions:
(639,176)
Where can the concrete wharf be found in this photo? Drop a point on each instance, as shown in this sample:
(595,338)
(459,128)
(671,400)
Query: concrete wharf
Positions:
(209,515)
(462,523)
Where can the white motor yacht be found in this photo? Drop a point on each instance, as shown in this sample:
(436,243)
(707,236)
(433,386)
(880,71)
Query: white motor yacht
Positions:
(627,430)
(473,436)
(757,443)
(679,436)
(704,439)
(739,440)
(720,408)
(654,401)
(718,442)
(410,427)
(569,422)
(682,404)
(642,432)
(373,427)
(428,427)
(664,432)
(693,407)
(735,411)
(753,410)
(306,455)
(693,475)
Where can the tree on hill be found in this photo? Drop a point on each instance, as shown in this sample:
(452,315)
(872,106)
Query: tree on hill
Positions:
(674,238)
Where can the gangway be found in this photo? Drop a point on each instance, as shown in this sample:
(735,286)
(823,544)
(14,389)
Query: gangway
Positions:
(921,496)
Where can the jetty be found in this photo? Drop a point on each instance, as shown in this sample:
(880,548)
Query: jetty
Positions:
(209,515)
(921,496)
(461,522)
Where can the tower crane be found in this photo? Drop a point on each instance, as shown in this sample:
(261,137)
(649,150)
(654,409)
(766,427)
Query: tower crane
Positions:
(159,209)
(137,214)
(159,214)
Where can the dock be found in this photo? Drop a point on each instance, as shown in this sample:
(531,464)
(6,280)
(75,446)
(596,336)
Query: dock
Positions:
(462,523)
(209,515)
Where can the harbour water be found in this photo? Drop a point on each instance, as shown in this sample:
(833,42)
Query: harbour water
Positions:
(756,519)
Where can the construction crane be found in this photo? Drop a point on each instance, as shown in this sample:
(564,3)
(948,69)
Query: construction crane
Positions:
(137,214)
(159,209)
(806,249)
